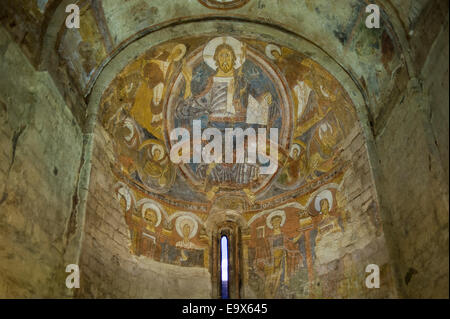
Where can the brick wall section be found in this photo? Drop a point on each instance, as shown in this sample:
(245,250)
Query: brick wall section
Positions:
(40,152)
(108,269)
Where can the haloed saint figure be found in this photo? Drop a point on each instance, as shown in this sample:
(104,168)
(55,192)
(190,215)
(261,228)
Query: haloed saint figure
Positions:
(228,86)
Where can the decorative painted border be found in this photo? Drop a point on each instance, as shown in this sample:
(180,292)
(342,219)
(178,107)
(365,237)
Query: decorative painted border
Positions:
(214,4)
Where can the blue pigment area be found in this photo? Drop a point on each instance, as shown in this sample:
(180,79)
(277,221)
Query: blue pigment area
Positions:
(224,267)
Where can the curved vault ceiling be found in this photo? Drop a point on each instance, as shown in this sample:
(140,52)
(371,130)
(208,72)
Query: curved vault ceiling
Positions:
(373,58)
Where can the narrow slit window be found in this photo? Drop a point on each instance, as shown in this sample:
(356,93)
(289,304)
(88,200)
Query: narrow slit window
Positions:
(224,266)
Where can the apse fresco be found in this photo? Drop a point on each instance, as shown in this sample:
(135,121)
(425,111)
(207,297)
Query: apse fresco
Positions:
(236,83)
(282,243)
(177,239)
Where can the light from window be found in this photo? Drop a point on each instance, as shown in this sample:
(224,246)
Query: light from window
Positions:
(224,266)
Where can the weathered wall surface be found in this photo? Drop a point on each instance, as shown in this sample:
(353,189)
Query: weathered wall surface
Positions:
(435,75)
(413,157)
(343,260)
(108,267)
(40,153)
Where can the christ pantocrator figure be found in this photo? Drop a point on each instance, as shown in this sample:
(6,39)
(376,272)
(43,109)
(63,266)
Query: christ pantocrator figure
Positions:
(224,95)
(227,98)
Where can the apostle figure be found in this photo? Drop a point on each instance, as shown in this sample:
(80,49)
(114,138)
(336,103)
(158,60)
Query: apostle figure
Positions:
(328,222)
(187,228)
(151,232)
(275,270)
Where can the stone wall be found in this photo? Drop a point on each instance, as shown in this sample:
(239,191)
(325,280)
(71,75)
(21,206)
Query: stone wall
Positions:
(108,268)
(435,84)
(40,154)
(413,157)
